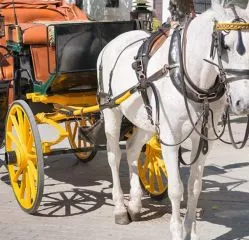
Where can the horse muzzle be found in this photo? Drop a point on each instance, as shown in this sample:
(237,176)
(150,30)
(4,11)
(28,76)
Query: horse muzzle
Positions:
(240,106)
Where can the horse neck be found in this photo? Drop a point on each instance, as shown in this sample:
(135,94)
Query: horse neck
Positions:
(199,38)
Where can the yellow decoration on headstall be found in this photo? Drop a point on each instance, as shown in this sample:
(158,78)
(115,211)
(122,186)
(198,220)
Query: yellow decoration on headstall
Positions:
(231,26)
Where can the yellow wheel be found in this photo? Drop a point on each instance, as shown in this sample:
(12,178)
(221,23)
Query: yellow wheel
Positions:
(152,170)
(24,156)
(72,128)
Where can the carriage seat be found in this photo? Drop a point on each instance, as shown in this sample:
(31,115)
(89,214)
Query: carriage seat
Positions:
(36,33)
(29,12)
(41,43)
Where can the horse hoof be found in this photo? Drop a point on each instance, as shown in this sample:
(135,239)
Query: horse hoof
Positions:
(194,237)
(134,216)
(122,219)
(199,213)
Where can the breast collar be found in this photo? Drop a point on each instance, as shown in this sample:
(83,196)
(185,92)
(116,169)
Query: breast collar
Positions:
(179,75)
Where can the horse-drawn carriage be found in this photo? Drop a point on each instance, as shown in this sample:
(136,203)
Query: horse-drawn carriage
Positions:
(48,75)
(48,54)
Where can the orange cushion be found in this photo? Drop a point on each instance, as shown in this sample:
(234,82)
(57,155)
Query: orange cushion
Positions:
(40,56)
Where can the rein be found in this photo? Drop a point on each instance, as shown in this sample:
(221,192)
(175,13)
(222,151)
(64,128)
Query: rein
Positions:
(226,76)
(178,73)
(206,95)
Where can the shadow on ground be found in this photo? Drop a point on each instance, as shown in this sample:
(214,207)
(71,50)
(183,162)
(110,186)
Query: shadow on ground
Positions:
(94,174)
(71,203)
(227,208)
(222,204)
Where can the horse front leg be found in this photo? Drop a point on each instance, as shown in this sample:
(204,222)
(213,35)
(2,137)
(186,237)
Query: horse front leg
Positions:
(134,146)
(194,190)
(195,178)
(113,119)
(175,188)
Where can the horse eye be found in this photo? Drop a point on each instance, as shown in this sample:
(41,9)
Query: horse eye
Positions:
(223,42)
(226,47)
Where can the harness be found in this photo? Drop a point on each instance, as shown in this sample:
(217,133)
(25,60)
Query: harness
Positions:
(183,83)
(145,52)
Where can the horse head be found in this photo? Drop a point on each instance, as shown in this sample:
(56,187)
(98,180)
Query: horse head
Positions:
(231,36)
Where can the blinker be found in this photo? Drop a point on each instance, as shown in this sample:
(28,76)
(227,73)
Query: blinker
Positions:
(240,46)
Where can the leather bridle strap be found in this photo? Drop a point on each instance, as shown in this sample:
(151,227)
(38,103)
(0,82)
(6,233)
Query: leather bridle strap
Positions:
(245,139)
(212,94)
(238,74)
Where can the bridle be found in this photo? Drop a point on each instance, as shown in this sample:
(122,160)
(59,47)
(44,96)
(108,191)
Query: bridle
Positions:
(177,70)
(227,75)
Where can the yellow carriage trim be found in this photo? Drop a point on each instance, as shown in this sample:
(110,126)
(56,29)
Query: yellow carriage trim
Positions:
(62,133)
(76,99)
(97,108)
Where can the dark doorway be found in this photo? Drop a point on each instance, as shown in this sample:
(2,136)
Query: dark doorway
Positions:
(112,3)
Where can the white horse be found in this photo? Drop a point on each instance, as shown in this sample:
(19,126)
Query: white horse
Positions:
(174,120)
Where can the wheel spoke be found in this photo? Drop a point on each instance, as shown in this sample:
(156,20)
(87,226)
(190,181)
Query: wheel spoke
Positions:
(20,119)
(28,193)
(33,170)
(17,174)
(30,142)
(146,163)
(151,177)
(26,129)
(75,128)
(79,143)
(32,183)
(17,127)
(32,157)
(14,140)
(158,175)
(23,184)
(72,128)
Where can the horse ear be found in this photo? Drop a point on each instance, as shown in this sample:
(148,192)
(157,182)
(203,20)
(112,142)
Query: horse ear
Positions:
(247,8)
(217,5)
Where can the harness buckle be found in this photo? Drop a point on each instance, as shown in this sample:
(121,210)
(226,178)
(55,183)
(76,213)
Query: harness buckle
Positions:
(204,96)
(139,68)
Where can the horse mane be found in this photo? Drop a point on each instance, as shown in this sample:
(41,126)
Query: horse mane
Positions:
(220,13)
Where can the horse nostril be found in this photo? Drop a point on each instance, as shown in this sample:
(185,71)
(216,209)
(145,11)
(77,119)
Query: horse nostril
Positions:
(238,103)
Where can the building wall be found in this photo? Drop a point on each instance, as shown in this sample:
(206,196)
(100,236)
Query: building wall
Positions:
(158,6)
(97,9)
(165,11)
(161,9)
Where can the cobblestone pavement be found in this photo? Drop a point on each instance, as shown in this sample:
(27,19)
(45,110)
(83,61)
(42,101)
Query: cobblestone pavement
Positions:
(77,201)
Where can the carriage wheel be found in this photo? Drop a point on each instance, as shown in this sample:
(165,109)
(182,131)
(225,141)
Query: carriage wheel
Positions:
(72,128)
(24,156)
(152,170)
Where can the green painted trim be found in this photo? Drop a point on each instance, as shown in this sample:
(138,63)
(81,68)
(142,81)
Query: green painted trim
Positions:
(42,88)
(14,47)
